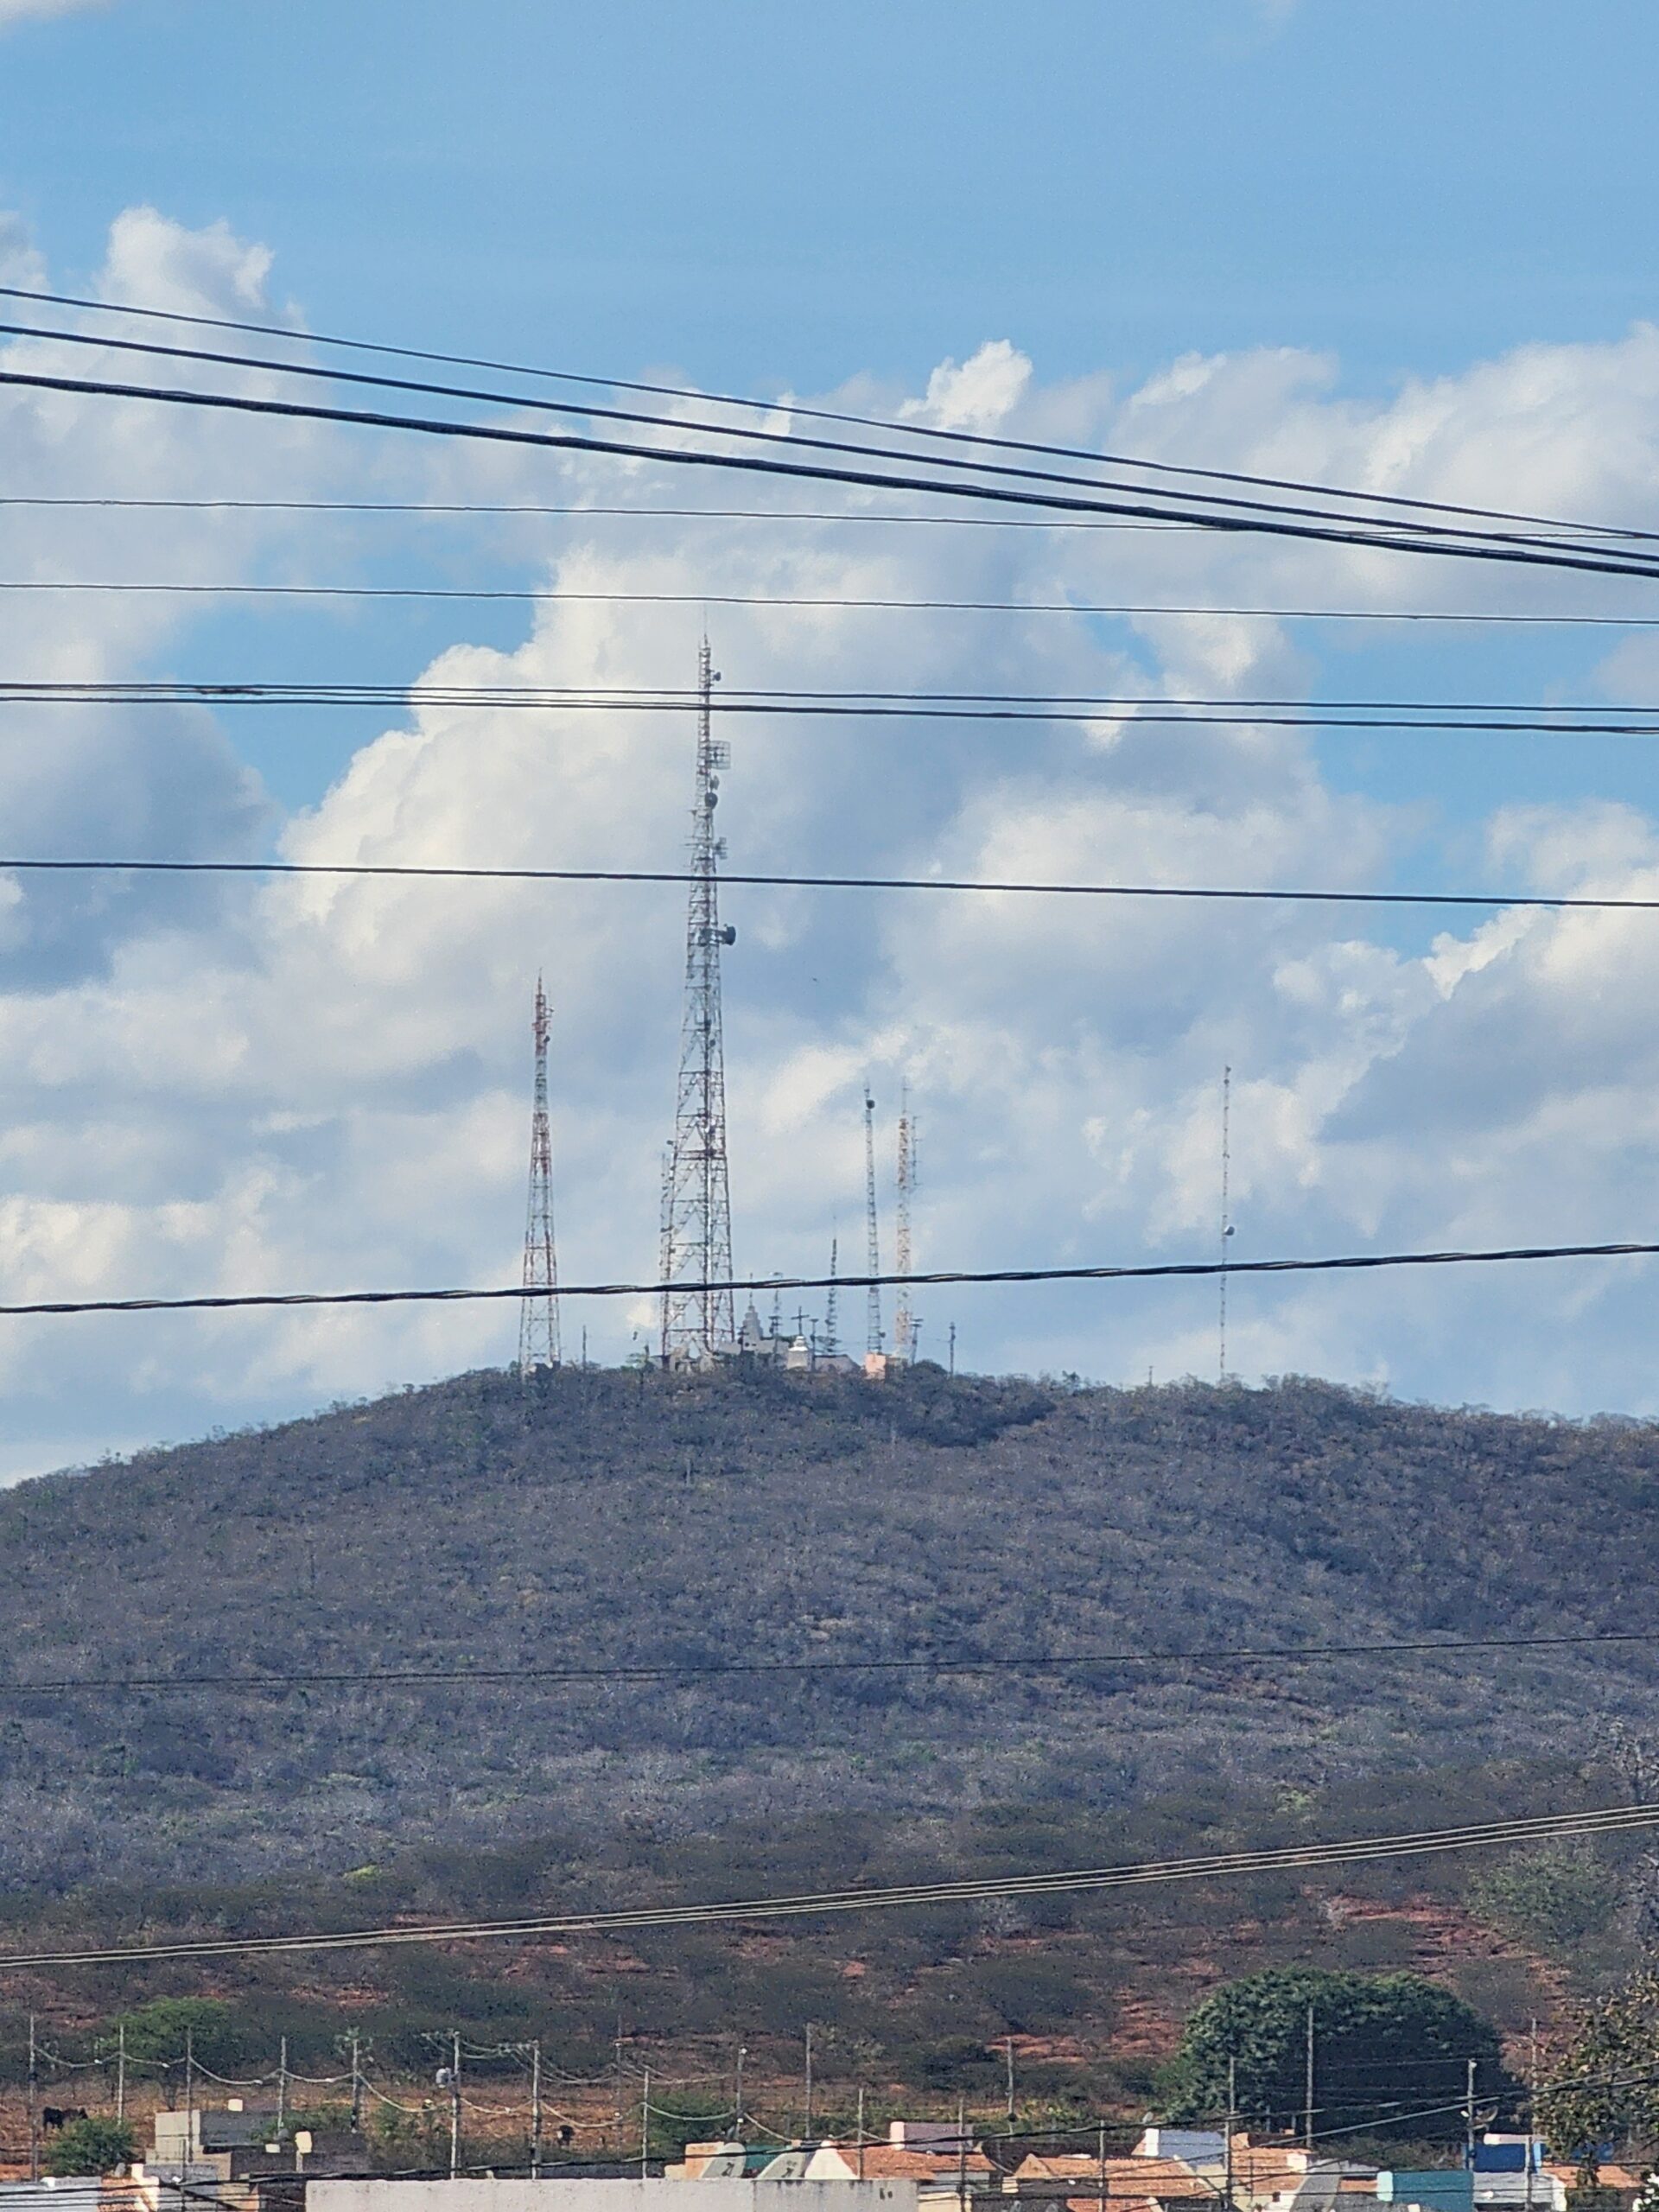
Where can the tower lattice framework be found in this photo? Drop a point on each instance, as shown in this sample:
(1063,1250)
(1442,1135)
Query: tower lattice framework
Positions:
(904,1321)
(873,1338)
(696,1249)
(538,1310)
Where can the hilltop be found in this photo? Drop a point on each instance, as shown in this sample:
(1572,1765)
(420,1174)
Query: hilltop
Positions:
(605,1517)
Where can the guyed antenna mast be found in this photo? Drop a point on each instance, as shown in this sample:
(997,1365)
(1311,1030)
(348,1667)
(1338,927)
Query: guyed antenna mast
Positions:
(538,1310)
(873,1335)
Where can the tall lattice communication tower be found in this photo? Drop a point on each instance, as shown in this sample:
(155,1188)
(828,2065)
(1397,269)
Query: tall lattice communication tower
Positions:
(832,1302)
(697,1246)
(872,1233)
(904,1324)
(538,1310)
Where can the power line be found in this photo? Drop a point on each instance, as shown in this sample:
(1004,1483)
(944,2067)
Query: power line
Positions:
(526,595)
(579,511)
(587,411)
(791,407)
(1483,1835)
(420,871)
(1354,1262)
(932,1663)
(1536,553)
(1135,709)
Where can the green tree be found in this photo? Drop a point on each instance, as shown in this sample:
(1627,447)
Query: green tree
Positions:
(156,2032)
(1552,1896)
(1391,2054)
(94,2145)
(1606,2089)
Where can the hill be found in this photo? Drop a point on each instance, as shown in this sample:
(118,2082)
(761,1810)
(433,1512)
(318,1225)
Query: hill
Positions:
(605,1517)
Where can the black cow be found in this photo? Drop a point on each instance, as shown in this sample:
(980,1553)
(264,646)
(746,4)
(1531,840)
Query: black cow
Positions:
(53,2116)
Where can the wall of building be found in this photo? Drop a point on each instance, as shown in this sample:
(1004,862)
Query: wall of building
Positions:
(562,2195)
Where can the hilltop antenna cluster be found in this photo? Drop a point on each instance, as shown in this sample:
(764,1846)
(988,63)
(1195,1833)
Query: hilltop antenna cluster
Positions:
(538,1311)
(696,1247)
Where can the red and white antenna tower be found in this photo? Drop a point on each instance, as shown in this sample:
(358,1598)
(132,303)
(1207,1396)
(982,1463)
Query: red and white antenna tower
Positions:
(538,1310)
(872,1226)
(832,1302)
(904,1324)
(697,1245)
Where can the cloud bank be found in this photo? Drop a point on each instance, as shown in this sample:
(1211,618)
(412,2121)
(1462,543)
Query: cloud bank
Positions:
(324,1084)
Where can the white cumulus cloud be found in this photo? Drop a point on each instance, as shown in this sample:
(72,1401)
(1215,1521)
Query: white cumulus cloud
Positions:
(322,1082)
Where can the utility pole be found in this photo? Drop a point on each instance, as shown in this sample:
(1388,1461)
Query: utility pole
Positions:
(538,1310)
(189,2093)
(1469,2118)
(190,2144)
(1232,2128)
(962,2154)
(1308,2121)
(861,2135)
(282,2085)
(618,2073)
(1532,2092)
(871,1229)
(536,2110)
(807,2131)
(738,2129)
(953,1347)
(644,2125)
(454,2106)
(357,2083)
(33,2103)
(697,1198)
(1100,2150)
(1226,1215)
(1008,2046)
(121,2072)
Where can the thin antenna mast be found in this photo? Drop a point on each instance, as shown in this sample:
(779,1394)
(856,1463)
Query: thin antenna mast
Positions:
(538,1311)
(832,1302)
(873,1335)
(904,1326)
(1226,1218)
(697,1201)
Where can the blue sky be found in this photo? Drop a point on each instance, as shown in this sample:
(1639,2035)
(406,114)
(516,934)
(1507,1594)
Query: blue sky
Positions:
(1329,238)
(759,194)
(761,197)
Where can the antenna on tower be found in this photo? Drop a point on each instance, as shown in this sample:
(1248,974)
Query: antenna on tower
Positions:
(538,1310)
(1226,1215)
(700,1320)
(904,1326)
(873,1334)
(832,1302)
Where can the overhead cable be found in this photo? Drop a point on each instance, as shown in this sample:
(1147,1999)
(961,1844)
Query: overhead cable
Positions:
(563,594)
(1396,537)
(579,511)
(909,427)
(1483,1836)
(933,1662)
(1353,1262)
(419,871)
(1081,709)
(680,425)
